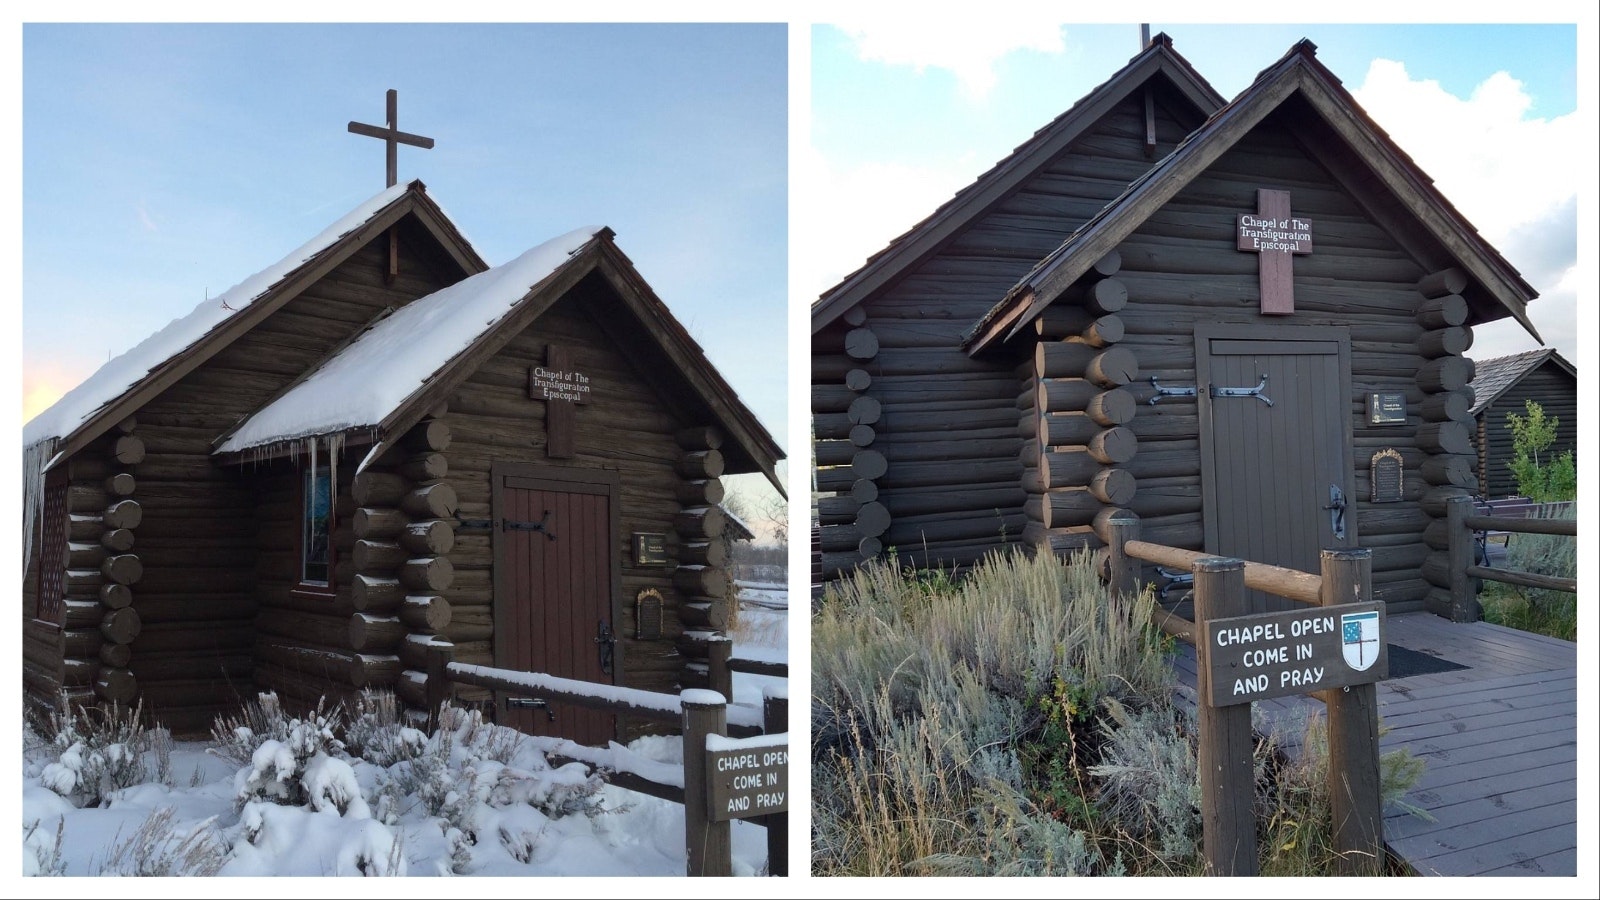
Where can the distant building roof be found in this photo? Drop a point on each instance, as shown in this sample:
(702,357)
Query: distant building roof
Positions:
(1496,376)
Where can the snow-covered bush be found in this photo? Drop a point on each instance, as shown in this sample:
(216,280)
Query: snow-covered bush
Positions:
(377,731)
(264,719)
(41,855)
(100,751)
(291,761)
(157,849)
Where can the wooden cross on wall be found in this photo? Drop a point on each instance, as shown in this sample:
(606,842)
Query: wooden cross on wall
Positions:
(1277,238)
(560,386)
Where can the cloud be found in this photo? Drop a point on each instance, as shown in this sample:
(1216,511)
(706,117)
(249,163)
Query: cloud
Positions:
(145,220)
(1500,168)
(967,47)
(1509,174)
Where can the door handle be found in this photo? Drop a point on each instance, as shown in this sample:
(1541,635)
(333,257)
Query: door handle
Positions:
(1336,507)
(531,703)
(606,643)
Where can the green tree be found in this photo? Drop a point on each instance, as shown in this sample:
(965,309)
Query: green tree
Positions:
(1540,477)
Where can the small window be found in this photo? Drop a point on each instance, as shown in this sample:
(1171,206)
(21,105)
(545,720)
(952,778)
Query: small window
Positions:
(52,585)
(316,526)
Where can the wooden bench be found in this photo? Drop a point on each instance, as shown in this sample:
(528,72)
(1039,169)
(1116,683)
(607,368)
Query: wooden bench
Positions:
(1515,508)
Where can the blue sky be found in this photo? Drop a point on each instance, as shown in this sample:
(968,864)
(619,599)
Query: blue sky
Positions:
(903,117)
(165,163)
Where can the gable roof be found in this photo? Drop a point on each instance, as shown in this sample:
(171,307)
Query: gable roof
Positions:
(1496,376)
(924,238)
(124,384)
(1298,73)
(393,373)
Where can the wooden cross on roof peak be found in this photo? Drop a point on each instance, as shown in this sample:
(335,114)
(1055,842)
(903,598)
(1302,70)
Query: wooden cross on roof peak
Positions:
(392,136)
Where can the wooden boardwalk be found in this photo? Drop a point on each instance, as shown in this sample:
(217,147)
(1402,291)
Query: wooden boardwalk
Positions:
(1499,739)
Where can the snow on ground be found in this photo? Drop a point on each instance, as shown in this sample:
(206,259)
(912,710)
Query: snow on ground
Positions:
(472,800)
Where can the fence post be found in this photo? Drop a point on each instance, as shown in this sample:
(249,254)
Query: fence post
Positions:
(775,720)
(1353,778)
(1124,574)
(438,688)
(719,650)
(707,843)
(1227,745)
(1463,599)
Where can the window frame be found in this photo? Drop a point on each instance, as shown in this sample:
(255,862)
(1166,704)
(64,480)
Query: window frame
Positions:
(304,474)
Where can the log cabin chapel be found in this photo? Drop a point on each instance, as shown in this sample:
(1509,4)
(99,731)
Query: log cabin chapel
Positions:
(1244,323)
(380,443)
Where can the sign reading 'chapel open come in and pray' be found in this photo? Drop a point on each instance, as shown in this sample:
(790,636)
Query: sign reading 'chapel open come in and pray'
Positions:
(1276,654)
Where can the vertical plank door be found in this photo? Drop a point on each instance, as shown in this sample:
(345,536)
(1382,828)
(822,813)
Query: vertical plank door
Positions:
(555,543)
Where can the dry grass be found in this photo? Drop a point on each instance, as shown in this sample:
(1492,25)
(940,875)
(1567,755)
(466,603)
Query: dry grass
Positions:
(1021,721)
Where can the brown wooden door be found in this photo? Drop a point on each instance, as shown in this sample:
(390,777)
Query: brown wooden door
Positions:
(1273,474)
(556,572)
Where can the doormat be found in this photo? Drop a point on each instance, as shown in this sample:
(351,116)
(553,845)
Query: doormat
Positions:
(1405,663)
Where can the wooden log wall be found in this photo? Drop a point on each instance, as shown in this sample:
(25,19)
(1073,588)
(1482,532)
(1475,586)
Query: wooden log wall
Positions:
(217,541)
(1180,269)
(405,529)
(299,643)
(845,429)
(1075,415)
(701,576)
(1448,465)
(630,426)
(86,651)
(942,422)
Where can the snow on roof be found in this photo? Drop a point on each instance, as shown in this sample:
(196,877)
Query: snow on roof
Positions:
(114,378)
(371,377)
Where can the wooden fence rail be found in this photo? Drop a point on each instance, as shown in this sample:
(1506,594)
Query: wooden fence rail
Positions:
(721,664)
(701,714)
(1461,522)
(1227,781)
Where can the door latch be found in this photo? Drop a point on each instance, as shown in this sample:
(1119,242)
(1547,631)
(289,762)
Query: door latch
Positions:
(1166,391)
(542,525)
(1336,507)
(1258,392)
(531,703)
(606,643)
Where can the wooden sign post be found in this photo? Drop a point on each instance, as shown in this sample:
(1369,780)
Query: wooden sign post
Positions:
(1277,237)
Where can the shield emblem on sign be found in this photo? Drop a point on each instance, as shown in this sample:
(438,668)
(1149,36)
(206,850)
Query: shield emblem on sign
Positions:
(1361,639)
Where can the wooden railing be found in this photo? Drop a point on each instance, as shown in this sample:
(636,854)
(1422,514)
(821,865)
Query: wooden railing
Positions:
(700,713)
(721,664)
(1460,523)
(1227,779)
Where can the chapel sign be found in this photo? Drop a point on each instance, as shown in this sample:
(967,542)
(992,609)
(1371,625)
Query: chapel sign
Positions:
(1277,237)
(748,779)
(1298,651)
(561,385)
